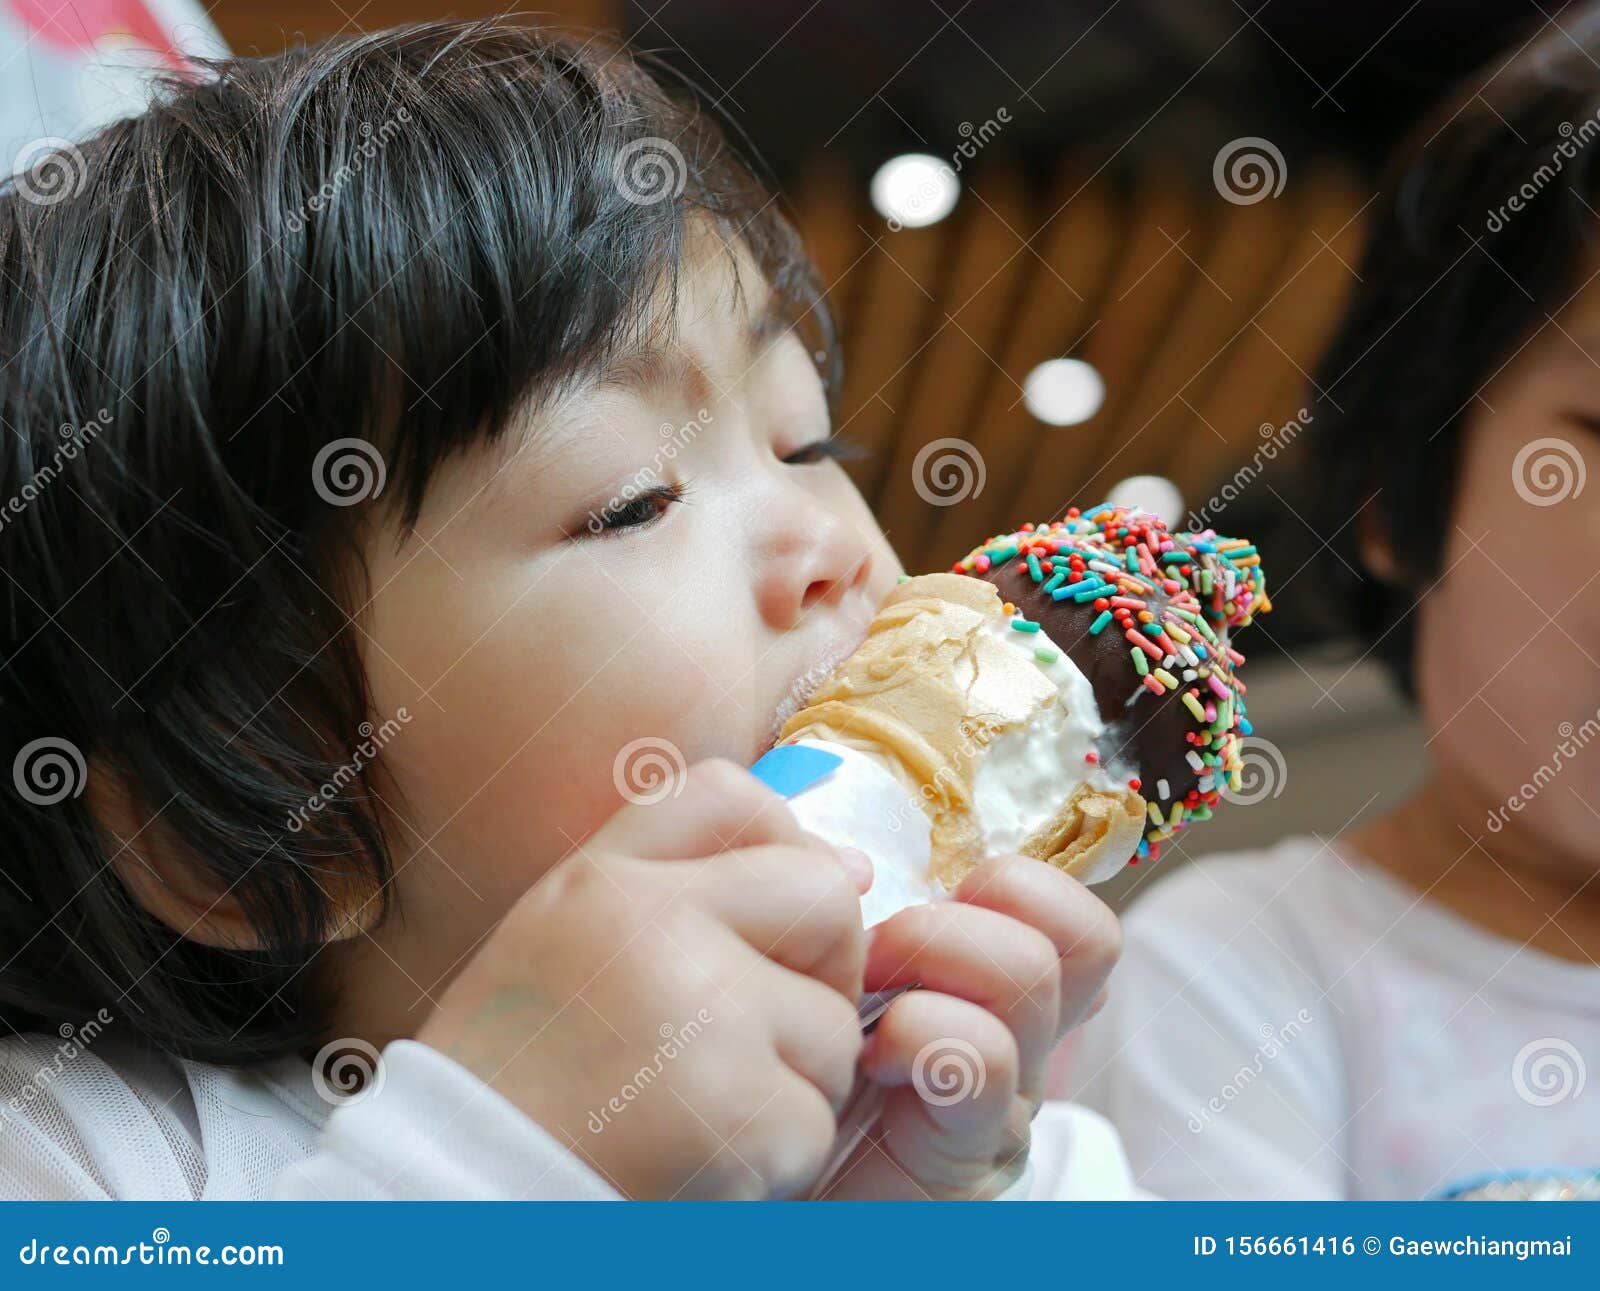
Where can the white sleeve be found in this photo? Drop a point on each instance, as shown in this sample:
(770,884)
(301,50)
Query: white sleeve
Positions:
(1217,1055)
(125,1122)
(435,1131)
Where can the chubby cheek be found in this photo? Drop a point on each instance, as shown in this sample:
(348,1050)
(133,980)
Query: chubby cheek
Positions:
(528,729)
(1493,715)
(1504,676)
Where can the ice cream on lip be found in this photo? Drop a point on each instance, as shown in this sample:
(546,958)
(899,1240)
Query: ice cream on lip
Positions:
(805,685)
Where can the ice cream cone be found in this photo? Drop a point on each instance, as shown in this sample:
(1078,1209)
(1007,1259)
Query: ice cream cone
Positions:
(991,738)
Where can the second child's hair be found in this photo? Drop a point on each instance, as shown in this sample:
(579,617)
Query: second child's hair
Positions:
(220,322)
(1483,227)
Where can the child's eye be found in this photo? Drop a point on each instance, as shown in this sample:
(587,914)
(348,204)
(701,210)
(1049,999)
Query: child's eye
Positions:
(834,448)
(637,512)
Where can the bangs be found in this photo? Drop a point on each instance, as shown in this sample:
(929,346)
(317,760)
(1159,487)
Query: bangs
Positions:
(459,224)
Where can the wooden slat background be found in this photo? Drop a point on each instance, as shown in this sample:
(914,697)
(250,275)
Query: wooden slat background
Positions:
(266,26)
(1204,318)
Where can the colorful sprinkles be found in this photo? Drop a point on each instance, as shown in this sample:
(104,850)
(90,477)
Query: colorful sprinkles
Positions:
(1175,598)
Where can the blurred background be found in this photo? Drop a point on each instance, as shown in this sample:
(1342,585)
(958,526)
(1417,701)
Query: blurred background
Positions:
(1076,247)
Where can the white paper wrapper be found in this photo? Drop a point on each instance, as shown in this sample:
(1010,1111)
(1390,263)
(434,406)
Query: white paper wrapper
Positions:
(860,804)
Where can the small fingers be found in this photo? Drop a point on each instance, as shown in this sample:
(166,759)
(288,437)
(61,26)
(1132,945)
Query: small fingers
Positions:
(798,906)
(1082,928)
(984,957)
(952,1119)
(816,1033)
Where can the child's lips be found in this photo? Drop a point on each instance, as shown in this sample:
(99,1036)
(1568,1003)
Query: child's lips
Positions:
(806,683)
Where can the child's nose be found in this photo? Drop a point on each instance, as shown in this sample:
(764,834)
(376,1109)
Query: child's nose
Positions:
(810,558)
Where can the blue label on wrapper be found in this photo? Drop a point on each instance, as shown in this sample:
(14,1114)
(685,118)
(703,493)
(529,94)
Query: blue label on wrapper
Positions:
(791,768)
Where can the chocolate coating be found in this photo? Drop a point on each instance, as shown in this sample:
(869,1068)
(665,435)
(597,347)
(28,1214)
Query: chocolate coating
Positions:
(1149,733)
(1161,668)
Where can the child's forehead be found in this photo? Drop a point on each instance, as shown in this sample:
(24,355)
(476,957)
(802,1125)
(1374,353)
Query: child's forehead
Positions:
(702,328)
(702,331)
(718,295)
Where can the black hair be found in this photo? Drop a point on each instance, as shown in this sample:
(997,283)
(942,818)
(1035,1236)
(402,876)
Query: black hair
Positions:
(1481,228)
(220,320)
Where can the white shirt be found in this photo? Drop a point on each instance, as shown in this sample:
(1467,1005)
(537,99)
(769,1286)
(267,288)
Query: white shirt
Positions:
(112,1119)
(1293,1024)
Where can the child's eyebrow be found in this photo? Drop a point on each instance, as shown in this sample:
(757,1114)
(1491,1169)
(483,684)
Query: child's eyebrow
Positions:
(651,368)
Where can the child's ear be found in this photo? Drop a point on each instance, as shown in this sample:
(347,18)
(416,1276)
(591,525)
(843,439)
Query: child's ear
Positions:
(153,866)
(165,879)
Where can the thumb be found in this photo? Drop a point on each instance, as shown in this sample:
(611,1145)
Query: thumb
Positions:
(711,807)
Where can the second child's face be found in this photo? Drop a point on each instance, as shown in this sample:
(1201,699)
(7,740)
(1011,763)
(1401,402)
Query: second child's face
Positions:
(645,576)
(1509,646)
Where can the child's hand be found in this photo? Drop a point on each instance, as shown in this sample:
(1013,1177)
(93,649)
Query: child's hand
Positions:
(676,1001)
(1008,967)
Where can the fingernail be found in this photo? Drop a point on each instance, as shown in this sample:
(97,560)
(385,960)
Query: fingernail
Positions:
(859,864)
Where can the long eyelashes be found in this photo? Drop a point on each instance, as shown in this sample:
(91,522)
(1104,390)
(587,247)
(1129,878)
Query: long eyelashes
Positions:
(835,448)
(649,505)
(639,512)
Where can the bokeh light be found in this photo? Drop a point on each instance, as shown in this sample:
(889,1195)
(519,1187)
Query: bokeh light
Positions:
(915,190)
(1063,392)
(1154,493)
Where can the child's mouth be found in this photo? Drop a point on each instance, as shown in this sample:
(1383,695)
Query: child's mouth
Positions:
(806,683)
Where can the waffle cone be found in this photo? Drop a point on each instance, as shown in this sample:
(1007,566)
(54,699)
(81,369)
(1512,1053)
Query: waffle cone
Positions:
(926,693)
